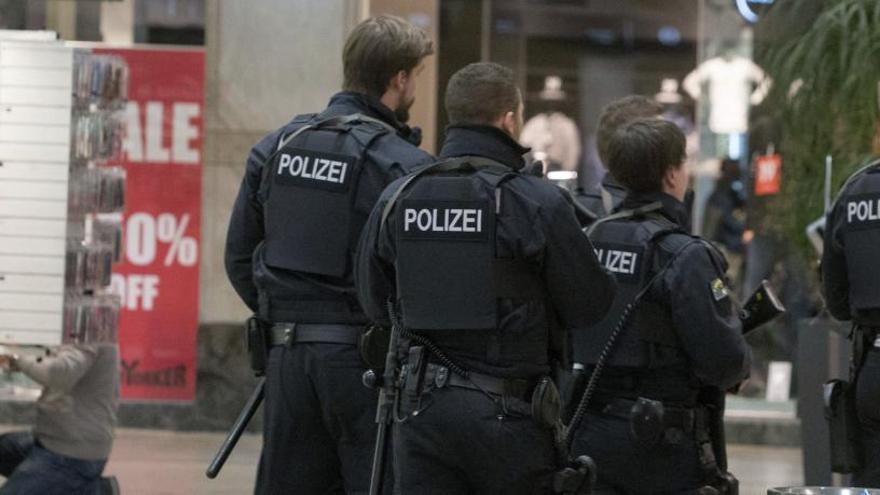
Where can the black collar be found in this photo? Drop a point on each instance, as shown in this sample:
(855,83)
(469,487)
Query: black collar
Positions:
(609,182)
(673,209)
(485,141)
(348,102)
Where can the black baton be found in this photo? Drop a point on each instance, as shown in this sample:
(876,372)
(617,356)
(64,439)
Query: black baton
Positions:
(244,417)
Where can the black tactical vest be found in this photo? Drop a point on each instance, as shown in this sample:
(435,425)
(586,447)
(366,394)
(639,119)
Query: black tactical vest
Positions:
(861,238)
(309,189)
(448,275)
(627,247)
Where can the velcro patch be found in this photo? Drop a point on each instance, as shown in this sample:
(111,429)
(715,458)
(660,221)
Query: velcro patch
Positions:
(445,220)
(719,290)
(863,211)
(623,260)
(320,170)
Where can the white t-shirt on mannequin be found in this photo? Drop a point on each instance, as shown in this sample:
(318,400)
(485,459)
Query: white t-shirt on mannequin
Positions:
(730,82)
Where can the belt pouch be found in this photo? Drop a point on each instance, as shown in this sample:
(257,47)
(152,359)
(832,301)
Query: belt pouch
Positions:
(546,404)
(257,346)
(416,363)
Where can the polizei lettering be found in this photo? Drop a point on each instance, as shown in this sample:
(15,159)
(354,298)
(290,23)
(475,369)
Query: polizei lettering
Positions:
(443,220)
(309,167)
(618,261)
(867,210)
(623,260)
(319,170)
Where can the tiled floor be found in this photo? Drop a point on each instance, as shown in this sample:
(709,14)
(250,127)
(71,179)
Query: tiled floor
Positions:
(162,462)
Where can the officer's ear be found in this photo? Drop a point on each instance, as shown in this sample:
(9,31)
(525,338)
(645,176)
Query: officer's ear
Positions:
(512,122)
(675,181)
(508,124)
(398,82)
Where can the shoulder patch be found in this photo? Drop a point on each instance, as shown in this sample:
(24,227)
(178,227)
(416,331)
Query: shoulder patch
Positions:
(719,290)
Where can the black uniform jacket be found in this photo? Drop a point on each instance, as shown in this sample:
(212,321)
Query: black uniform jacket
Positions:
(289,295)
(835,276)
(705,321)
(579,290)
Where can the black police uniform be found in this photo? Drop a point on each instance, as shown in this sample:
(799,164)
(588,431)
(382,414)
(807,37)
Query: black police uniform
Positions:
(289,254)
(491,267)
(851,283)
(683,335)
(603,198)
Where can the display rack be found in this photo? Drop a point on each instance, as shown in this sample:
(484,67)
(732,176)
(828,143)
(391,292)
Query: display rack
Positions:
(60,206)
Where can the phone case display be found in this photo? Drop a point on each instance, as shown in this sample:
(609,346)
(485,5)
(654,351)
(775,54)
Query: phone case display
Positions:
(91,318)
(89,266)
(60,207)
(96,135)
(106,229)
(96,190)
(99,80)
(97,198)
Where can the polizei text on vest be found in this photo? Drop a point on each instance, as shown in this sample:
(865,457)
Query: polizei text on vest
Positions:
(314,168)
(443,219)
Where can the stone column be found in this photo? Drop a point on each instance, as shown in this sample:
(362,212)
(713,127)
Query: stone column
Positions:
(117,22)
(265,63)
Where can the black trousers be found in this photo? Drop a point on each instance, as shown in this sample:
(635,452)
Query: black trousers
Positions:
(624,467)
(319,422)
(868,406)
(463,442)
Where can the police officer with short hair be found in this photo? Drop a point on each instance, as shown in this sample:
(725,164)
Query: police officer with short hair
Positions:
(488,271)
(604,197)
(671,333)
(307,191)
(851,284)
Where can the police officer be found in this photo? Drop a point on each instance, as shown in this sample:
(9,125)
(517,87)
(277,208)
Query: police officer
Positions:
(851,283)
(488,270)
(307,191)
(672,333)
(604,197)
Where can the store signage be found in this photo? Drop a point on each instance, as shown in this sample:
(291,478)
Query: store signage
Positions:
(747,8)
(768,175)
(158,278)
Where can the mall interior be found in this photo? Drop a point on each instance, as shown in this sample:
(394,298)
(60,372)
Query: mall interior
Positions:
(201,81)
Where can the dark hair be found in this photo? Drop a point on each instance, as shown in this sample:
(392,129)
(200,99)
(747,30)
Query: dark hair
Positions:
(642,151)
(377,49)
(620,112)
(480,93)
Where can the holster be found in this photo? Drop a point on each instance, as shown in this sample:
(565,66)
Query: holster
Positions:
(711,442)
(257,344)
(847,453)
(373,346)
(546,404)
(705,442)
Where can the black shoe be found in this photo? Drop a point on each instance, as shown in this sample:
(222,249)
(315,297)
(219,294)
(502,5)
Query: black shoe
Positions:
(109,485)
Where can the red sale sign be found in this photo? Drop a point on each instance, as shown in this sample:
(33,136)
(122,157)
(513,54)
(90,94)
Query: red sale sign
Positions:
(158,278)
(768,175)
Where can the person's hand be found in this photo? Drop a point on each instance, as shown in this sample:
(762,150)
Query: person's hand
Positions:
(747,236)
(9,362)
